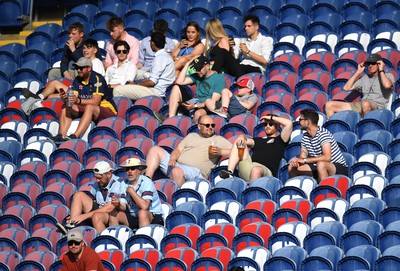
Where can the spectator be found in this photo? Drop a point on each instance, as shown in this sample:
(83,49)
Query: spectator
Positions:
(192,158)
(162,73)
(87,208)
(320,155)
(117,32)
(260,164)
(73,50)
(189,47)
(256,51)
(144,205)
(233,105)
(220,54)
(376,87)
(90,49)
(79,256)
(146,54)
(124,71)
(209,85)
(92,100)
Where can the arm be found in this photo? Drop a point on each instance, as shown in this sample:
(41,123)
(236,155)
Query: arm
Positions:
(198,50)
(287,123)
(175,154)
(386,83)
(133,55)
(147,83)
(248,105)
(256,57)
(324,157)
(182,79)
(215,97)
(248,141)
(350,83)
(140,62)
(140,202)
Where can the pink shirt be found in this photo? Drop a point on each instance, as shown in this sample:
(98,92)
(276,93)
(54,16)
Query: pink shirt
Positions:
(133,55)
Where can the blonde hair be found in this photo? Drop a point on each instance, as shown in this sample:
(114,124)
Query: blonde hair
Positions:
(215,31)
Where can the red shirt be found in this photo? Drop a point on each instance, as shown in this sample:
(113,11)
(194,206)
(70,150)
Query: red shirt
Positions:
(89,260)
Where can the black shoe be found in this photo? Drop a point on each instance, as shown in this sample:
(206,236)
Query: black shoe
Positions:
(62,229)
(225,174)
(27,93)
(159,117)
(73,136)
(57,138)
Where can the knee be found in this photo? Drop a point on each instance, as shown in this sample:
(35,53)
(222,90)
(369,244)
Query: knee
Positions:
(321,166)
(176,173)
(257,172)
(96,218)
(117,91)
(366,105)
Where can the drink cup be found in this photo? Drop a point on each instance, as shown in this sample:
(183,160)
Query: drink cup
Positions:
(115,200)
(241,148)
(210,150)
(243,41)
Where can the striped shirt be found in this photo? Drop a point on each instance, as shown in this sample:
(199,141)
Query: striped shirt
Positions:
(314,145)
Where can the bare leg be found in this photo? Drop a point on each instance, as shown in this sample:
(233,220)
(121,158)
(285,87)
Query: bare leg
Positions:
(367,106)
(332,107)
(301,170)
(234,156)
(154,157)
(177,175)
(174,99)
(81,203)
(325,170)
(53,87)
(198,114)
(91,112)
(100,221)
(66,116)
(145,218)
(256,172)
(226,95)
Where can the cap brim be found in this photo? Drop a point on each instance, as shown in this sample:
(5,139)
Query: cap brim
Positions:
(140,167)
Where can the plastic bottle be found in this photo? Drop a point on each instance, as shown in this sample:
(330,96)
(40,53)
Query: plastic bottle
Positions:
(70,92)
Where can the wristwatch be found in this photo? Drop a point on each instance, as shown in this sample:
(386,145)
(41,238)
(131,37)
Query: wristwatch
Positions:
(195,106)
(382,71)
(305,160)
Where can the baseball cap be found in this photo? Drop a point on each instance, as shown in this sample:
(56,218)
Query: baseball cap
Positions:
(133,162)
(200,62)
(246,83)
(373,58)
(102,167)
(83,62)
(74,236)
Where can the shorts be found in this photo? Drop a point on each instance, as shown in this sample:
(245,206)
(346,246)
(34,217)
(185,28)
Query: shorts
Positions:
(134,220)
(340,169)
(356,106)
(104,113)
(185,94)
(88,222)
(245,167)
(235,107)
(190,173)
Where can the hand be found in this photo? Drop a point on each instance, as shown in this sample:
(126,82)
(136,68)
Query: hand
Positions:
(78,219)
(381,65)
(232,43)
(241,140)
(71,45)
(188,106)
(171,163)
(184,43)
(68,76)
(243,48)
(130,190)
(361,67)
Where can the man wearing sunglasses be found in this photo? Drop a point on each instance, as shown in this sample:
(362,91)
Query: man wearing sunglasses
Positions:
(161,75)
(124,71)
(320,155)
(376,87)
(92,208)
(143,204)
(191,159)
(267,151)
(79,256)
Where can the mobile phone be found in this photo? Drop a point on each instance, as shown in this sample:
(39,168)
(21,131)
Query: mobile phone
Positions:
(62,90)
(230,37)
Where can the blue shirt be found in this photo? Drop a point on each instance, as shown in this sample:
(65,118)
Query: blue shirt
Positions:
(115,186)
(162,71)
(206,86)
(146,190)
(146,54)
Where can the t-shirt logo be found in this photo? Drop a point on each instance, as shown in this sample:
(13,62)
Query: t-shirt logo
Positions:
(271,141)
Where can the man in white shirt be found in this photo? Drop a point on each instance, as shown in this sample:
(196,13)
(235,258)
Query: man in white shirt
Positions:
(124,71)
(90,48)
(256,51)
(162,74)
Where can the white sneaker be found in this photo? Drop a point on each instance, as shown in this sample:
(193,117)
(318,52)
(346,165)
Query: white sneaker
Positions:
(28,105)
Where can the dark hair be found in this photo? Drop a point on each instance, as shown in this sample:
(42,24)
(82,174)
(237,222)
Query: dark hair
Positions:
(76,26)
(197,27)
(121,43)
(160,26)
(310,114)
(158,39)
(114,22)
(253,18)
(91,42)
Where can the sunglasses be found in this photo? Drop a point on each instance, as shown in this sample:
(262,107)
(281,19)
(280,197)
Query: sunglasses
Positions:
(72,242)
(269,123)
(122,52)
(208,125)
(300,119)
(80,68)
(130,168)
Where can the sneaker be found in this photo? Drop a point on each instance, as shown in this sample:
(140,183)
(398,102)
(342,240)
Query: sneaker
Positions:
(159,117)
(72,136)
(62,229)
(225,174)
(28,105)
(58,138)
(220,112)
(28,94)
